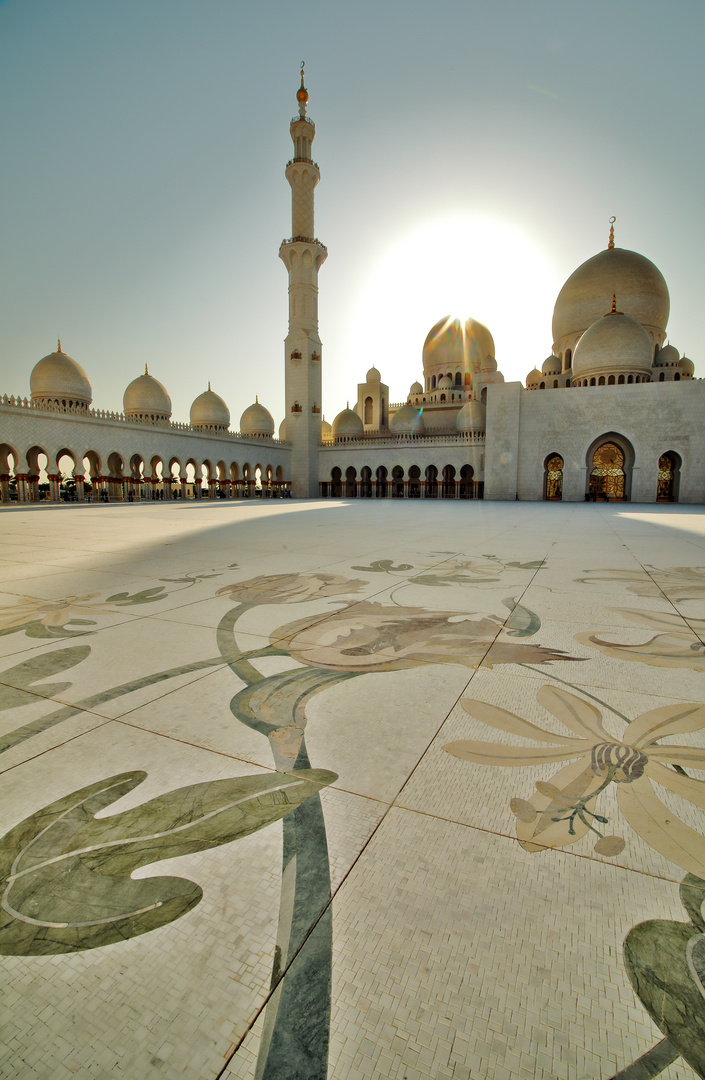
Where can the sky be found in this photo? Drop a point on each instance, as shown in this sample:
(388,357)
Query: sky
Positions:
(471,156)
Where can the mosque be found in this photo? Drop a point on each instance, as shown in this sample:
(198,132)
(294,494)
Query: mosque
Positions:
(622,420)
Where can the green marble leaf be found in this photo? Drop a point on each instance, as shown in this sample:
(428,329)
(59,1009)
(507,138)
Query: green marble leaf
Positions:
(384,566)
(146,596)
(25,676)
(522,622)
(66,873)
(655,956)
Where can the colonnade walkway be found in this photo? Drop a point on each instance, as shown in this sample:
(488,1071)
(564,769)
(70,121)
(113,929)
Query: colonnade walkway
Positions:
(300,790)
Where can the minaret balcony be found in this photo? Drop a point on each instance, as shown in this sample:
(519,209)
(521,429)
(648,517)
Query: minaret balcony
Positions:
(304,240)
(302,161)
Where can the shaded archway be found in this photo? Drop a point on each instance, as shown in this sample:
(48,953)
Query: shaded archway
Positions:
(381,487)
(365,482)
(553,478)
(414,482)
(448,482)
(8,480)
(114,479)
(350,482)
(669,465)
(431,482)
(397,482)
(336,483)
(466,482)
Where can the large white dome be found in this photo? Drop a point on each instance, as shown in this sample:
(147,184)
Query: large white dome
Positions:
(210,411)
(348,423)
(59,378)
(145,396)
(256,420)
(614,345)
(472,417)
(408,420)
(453,345)
(638,285)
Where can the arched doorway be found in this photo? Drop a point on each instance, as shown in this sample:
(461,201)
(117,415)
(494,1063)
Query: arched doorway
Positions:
(553,478)
(448,482)
(668,477)
(365,482)
(381,491)
(414,482)
(350,482)
(431,482)
(397,482)
(336,484)
(466,482)
(608,477)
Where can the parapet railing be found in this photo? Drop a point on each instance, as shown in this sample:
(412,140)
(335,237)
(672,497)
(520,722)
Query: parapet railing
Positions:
(391,439)
(12,402)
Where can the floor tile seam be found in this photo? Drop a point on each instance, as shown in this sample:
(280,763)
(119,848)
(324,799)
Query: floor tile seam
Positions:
(335,894)
(668,600)
(91,709)
(101,722)
(326,907)
(199,675)
(375,799)
(510,836)
(614,689)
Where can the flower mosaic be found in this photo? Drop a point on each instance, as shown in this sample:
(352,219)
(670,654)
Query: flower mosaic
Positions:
(674,647)
(369,636)
(563,810)
(67,869)
(289,588)
(676,582)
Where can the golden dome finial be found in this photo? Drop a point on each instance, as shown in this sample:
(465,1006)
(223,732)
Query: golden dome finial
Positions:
(256,399)
(58,345)
(302,94)
(610,245)
(613,310)
(209,386)
(146,370)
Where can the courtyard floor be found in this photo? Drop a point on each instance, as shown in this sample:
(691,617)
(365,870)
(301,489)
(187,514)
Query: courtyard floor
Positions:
(386,789)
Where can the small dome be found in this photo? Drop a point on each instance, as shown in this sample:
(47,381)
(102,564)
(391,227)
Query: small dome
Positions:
(638,284)
(145,396)
(668,356)
(347,422)
(471,417)
(373,375)
(407,420)
(282,430)
(416,388)
(615,343)
(551,365)
(454,344)
(489,364)
(57,377)
(533,378)
(256,420)
(210,411)
(687,366)
(326,429)
(445,383)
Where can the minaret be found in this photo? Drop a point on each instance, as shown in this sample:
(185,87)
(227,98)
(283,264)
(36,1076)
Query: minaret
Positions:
(302,256)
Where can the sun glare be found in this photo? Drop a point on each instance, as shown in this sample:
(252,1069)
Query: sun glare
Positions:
(460,265)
